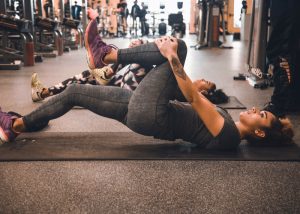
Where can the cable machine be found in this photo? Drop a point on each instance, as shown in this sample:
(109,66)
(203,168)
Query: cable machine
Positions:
(256,56)
(16,35)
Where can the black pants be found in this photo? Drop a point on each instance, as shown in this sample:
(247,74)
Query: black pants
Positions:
(143,26)
(284,43)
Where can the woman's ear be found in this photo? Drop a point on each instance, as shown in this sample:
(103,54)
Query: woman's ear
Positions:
(260,133)
(204,92)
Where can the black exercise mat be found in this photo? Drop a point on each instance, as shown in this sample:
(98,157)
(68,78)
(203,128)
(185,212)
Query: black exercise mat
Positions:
(129,146)
(233,103)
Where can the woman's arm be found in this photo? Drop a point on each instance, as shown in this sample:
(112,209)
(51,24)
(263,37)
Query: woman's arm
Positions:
(204,108)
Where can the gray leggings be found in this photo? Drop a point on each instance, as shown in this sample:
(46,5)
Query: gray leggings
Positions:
(145,111)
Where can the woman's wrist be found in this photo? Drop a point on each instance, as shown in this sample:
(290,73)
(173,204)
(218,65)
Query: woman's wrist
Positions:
(172,57)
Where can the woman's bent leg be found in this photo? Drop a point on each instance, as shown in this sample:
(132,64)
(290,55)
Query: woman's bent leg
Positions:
(111,102)
(148,111)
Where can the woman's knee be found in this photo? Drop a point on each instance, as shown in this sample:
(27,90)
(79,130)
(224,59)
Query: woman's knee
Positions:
(68,95)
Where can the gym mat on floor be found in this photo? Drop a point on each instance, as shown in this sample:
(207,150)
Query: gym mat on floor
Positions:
(233,103)
(129,146)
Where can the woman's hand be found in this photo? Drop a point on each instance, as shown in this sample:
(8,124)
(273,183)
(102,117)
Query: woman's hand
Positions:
(167,46)
(135,43)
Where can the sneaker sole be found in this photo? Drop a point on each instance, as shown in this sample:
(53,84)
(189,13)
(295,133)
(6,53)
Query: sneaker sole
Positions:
(91,63)
(35,98)
(3,137)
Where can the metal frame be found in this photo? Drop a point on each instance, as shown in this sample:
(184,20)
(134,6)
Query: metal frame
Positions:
(256,56)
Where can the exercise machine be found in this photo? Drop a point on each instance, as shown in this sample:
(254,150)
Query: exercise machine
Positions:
(71,28)
(175,20)
(48,37)
(69,25)
(15,35)
(258,76)
(162,26)
(210,13)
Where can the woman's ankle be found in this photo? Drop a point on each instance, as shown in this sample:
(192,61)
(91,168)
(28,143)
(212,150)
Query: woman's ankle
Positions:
(45,93)
(18,125)
(111,57)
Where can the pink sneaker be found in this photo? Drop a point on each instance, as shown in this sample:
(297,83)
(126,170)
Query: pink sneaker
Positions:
(6,132)
(96,48)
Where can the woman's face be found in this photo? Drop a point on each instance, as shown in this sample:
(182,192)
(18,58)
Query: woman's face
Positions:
(204,85)
(255,119)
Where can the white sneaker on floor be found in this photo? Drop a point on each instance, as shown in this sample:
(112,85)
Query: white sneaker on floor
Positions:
(100,74)
(36,88)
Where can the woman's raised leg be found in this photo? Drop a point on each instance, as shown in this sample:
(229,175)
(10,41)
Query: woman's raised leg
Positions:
(106,101)
(146,54)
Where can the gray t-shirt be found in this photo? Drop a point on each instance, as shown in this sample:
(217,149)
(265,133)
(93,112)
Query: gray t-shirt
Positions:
(187,125)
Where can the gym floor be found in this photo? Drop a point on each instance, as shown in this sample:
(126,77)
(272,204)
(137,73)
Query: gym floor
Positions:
(143,186)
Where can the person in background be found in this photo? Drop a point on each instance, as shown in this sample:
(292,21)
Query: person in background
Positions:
(122,6)
(47,8)
(76,9)
(142,16)
(135,12)
(67,9)
(282,50)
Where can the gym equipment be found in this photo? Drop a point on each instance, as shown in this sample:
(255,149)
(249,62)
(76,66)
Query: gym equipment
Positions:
(130,146)
(268,81)
(239,77)
(175,20)
(256,56)
(162,28)
(153,24)
(210,13)
(16,42)
(48,36)
(16,38)
(69,25)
